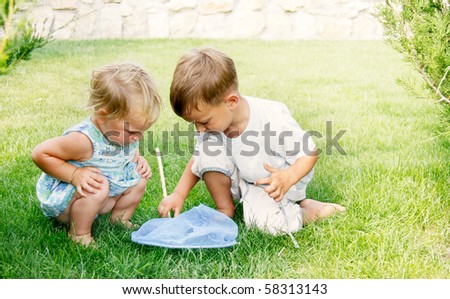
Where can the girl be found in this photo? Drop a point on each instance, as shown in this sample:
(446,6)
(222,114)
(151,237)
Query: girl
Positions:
(95,167)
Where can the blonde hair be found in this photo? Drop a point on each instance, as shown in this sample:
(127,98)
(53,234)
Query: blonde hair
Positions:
(202,76)
(116,88)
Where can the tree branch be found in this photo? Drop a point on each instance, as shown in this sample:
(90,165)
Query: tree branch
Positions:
(438,92)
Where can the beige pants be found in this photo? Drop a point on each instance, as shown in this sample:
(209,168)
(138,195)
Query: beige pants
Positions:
(260,210)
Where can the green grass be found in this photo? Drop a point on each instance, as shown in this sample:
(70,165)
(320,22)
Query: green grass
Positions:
(394,179)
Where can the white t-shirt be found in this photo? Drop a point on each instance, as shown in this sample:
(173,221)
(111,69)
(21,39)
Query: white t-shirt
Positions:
(272,136)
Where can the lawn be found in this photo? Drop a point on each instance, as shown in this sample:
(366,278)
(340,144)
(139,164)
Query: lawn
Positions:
(392,171)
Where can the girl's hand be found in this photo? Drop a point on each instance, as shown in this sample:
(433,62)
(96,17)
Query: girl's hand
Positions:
(87,180)
(173,202)
(142,167)
(278,183)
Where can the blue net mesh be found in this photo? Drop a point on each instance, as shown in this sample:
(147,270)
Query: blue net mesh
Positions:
(200,227)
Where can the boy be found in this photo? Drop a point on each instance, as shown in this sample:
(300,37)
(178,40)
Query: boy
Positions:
(249,149)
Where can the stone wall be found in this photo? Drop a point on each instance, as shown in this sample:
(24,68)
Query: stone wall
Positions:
(258,19)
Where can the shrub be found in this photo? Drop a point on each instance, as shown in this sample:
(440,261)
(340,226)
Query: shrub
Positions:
(420,31)
(18,35)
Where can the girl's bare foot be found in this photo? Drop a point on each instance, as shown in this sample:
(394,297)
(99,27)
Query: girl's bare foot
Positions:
(125,223)
(128,224)
(313,210)
(85,240)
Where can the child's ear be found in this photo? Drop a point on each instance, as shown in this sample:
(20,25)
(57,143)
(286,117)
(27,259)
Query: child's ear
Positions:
(232,100)
(101,113)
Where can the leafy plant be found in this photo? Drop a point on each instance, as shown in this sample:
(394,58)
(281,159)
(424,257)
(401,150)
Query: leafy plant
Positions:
(420,30)
(18,35)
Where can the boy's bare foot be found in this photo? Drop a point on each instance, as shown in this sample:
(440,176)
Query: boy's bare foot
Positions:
(85,240)
(313,210)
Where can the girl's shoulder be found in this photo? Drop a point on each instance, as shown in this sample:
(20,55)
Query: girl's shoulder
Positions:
(79,145)
(87,128)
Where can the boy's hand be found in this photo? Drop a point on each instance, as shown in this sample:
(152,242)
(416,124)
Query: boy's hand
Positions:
(142,167)
(278,183)
(87,180)
(173,202)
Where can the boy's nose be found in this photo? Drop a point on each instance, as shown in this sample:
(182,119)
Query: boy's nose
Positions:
(200,128)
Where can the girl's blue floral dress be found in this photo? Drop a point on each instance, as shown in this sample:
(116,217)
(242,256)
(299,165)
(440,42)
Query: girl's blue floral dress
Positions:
(112,160)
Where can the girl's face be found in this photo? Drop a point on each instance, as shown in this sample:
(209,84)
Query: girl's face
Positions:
(124,131)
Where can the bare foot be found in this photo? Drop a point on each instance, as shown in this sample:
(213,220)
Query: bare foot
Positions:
(85,240)
(313,210)
(127,224)
(130,225)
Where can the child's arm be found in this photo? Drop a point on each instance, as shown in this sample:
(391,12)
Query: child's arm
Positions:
(51,156)
(174,202)
(281,180)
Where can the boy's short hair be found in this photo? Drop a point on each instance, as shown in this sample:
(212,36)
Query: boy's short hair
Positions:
(202,76)
(117,88)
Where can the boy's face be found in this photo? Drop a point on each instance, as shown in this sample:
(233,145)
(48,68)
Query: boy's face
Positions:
(207,118)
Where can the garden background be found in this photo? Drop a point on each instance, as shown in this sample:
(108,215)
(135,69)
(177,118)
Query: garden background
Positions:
(393,177)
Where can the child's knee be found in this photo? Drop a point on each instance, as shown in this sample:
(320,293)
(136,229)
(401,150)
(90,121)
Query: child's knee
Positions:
(134,194)
(141,185)
(138,189)
(101,194)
